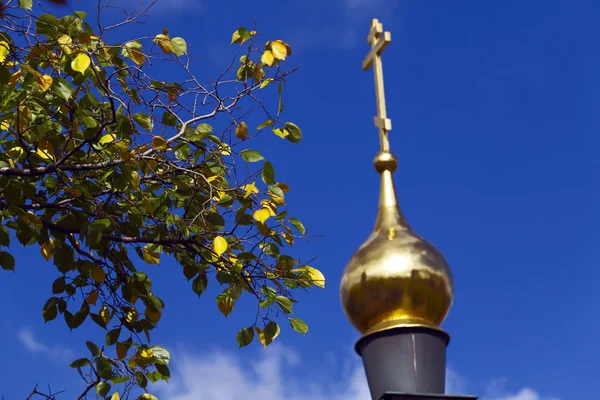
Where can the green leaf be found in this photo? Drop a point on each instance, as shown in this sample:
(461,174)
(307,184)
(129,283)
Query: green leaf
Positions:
(145,121)
(285,303)
(112,336)
(89,122)
(4,236)
(7,261)
(102,389)
(154,376)
(298,225)
(58,286)
(199,284)
(280,109)
(295,134)
(100,225)
(80,362)
(50,310)
(267,302)
(298,325)
(103,368)
(183,152)
(268,174)
(169,119)
(251,155)
(95,350)
(204,129)
(47,25)
(119,379)
(161,355)
(180,46)
(272,330)
(26,4)
(164,371)
(245,336)
(62,88)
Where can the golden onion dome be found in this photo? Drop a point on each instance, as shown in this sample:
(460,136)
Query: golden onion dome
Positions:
(396,278)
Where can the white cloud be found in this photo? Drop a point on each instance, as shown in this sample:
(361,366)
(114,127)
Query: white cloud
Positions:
(278,372)
(273,375)
(29,341)
(523,394)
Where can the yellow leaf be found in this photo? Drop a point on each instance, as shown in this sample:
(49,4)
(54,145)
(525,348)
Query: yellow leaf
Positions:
(98,274)
(159,143)
(135,54)
(92,298)
(164,43)
(279,49)
(225,149)
(144,357)
(4,48)
(108,138)
(277,200)
(45,81)
(226,306)
(81,63)
(250,189)
(115,396)
(266,82)
(14,78)
(4,125)
(269,206)
(288,238)
(267,58)
(34,221)
(47,250)
(135,180)
(65,43)
(146,353)
(104,314)
(132,315)
(282,133)
(241,131)
(262,338)
(15,152)
(315,276)
(220,245)
(151,257)
(262,215)
(45,150)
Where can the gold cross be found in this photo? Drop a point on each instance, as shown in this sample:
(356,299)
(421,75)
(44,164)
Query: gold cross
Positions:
(379,41)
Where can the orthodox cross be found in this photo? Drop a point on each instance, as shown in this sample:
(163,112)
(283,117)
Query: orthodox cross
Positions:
(378,40)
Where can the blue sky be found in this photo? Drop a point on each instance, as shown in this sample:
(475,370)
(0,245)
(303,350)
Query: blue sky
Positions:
(494,108)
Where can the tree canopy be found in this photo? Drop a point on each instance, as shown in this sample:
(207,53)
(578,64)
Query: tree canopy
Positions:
(108,166)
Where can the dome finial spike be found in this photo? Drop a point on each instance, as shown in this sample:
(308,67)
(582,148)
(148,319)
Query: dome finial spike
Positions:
(378,40)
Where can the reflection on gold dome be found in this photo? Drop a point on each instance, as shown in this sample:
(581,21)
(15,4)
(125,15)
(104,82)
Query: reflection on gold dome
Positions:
(396,278)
